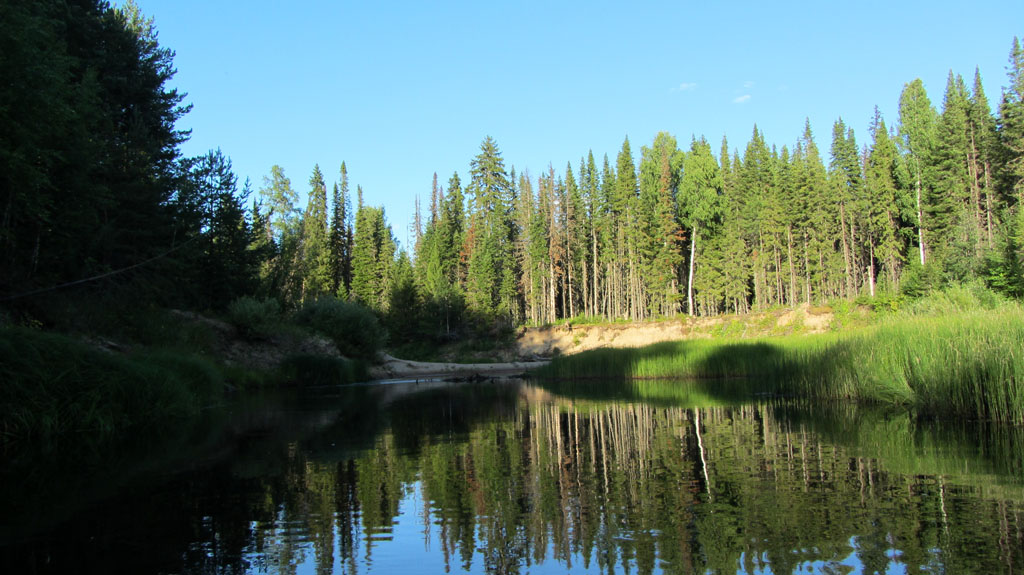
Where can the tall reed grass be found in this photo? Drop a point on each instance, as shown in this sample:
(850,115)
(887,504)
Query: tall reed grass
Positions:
(967,364)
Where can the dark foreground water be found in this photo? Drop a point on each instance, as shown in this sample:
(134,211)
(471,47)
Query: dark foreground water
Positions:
(515,478)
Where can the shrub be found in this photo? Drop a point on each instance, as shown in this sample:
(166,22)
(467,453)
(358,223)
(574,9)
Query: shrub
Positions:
(254,317)
(352,327)
(309,370)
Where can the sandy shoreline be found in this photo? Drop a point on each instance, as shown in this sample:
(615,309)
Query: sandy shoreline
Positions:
(394,368)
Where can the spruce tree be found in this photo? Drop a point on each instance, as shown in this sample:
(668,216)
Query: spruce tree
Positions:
(947,207)
(660,235)
(316,253)
(1011,171)
(982,145)
(491,231)
(882,220)
(282,276)
(372,258)
(700,204)
(917,137)
(341,236)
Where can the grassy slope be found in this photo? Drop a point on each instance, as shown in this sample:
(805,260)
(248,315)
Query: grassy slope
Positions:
(56,386)
(955,354)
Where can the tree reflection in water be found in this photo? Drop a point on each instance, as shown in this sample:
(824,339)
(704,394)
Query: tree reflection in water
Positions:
(513,478)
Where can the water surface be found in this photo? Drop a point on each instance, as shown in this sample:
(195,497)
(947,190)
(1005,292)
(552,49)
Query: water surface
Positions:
(518,478)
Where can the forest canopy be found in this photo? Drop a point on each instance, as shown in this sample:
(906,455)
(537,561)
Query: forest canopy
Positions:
(96,195)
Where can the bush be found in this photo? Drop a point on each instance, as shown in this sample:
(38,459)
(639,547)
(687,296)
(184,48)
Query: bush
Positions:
(310,370)
(254,317)
(352,327)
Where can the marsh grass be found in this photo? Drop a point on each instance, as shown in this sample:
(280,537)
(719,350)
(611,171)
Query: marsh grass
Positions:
(966,364)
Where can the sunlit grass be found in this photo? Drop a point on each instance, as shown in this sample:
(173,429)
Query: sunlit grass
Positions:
(967,364)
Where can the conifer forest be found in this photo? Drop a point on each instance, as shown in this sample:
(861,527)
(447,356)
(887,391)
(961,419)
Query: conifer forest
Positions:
(96,191)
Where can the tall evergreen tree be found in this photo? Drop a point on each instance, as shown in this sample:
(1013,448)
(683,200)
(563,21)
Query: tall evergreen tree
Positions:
(846,182)
(917,135)
(700,204)
(341,236)
(882,219)
(89,148)
(491,232)
(981,136)
(316,253)
(947,207)
(282,275)
(373,253)
(1010,123)
(660,235)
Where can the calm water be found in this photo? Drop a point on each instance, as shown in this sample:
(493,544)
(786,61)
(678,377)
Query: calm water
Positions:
(513,478)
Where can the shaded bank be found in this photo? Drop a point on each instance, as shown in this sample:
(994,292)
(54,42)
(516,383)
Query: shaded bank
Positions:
(62,388)
(962,365)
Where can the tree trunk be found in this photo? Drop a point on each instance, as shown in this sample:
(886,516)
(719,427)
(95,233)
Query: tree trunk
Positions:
(846,248)
(689,281)
(920,215)
(871,268)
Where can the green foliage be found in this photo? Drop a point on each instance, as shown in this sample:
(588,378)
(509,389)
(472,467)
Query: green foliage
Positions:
(944,359)
(306,370)
(352,327)
(918,280)
(218,260)
(55,385)
(317,273)
(373,254)
(85,84)
(254,317)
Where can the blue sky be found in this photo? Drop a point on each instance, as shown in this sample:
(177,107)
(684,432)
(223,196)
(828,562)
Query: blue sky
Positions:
(400,90)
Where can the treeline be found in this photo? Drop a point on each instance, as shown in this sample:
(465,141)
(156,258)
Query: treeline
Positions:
(96,195)
(931,200)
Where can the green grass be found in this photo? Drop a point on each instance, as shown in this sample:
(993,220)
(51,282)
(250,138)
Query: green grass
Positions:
(56,385)
(965,364)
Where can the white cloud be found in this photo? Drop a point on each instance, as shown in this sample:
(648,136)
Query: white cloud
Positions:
(748,85)
(742,99)
(685,87)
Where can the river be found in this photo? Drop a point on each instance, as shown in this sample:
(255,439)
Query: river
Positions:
(515,477)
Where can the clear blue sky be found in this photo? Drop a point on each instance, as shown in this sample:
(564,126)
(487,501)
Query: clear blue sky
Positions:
(400,90)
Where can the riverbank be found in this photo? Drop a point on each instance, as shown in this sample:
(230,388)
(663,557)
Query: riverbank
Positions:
(574,337)
(394,368)
(961,364)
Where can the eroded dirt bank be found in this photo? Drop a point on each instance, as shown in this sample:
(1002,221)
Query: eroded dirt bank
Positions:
(547,341)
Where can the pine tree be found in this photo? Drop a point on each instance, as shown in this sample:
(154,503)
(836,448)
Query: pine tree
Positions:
(823,261)
(341,237)
(488,272)
(316,252)
(627,223)
(917,137)
(283,276)
(947,207)
(846,182)
(982,136)
(372,258)
(700,204)
(1011,130)
(1011,171)
(659,233)
(882,219)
